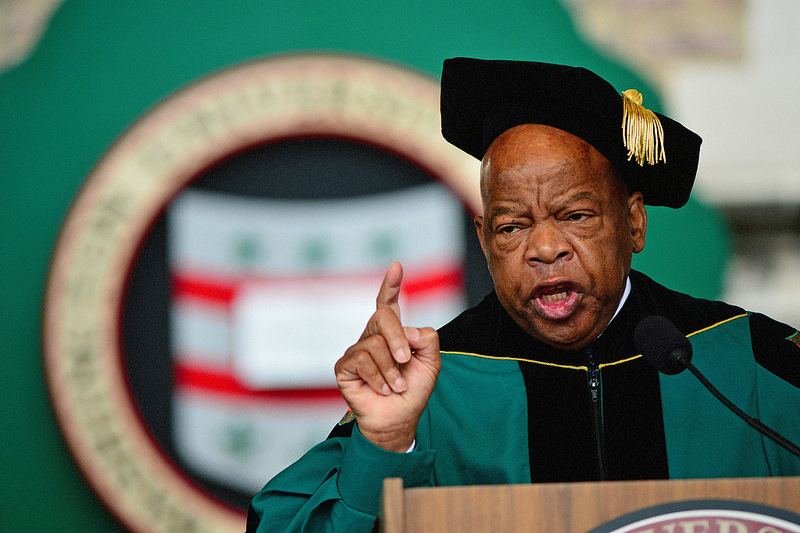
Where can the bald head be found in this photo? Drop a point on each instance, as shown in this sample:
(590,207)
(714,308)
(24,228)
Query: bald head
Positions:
(539,149)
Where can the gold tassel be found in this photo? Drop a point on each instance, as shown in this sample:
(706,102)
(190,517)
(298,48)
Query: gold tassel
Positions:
(641,130)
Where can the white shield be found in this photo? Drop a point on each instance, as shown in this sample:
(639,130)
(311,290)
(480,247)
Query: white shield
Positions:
(268,294)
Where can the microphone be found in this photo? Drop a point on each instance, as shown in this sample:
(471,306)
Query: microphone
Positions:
(663,345)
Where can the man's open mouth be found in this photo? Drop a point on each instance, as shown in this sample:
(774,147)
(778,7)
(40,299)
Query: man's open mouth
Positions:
(557,302)
(556,296)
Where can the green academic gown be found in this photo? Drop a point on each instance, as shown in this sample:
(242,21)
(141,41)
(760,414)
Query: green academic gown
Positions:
(509,409)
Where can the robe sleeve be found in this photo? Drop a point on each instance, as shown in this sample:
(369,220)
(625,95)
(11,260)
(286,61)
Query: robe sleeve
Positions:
(776,348)
(336,486)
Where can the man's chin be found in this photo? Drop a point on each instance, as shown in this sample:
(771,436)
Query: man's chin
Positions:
(565,334)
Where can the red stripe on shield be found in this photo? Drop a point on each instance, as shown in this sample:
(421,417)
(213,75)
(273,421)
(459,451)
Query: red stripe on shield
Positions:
(210,289)
(223,382)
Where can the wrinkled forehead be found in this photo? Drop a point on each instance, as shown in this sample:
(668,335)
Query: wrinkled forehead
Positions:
(535,152)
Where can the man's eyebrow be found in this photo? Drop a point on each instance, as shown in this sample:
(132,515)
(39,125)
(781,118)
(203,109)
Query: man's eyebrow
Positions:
(582,195)
(501,210)
(515,211)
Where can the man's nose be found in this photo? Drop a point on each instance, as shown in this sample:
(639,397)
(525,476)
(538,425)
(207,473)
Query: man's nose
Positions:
(547,244)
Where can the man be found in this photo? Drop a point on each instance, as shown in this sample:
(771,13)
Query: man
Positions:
(542,381)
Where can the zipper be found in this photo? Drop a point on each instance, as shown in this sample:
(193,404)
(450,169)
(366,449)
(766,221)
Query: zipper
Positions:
(595,392)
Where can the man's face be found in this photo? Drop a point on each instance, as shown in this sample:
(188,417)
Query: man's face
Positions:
(559,231)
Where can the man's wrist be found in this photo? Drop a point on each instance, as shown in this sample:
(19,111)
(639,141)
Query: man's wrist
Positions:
(397,441)
(365,465)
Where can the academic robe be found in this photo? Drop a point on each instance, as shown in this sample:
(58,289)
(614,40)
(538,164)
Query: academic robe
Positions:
(509,409)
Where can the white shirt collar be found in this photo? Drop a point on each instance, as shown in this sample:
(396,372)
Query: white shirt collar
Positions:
(625,295)
(623,299)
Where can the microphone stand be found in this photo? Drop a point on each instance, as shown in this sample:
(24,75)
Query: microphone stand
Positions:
(755,424)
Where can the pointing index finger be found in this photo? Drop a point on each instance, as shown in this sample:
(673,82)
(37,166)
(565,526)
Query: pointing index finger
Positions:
(389,292)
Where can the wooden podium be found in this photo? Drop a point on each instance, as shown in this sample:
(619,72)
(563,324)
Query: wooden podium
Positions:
(564,507)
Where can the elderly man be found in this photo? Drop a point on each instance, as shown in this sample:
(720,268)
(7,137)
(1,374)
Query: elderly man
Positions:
(542,381)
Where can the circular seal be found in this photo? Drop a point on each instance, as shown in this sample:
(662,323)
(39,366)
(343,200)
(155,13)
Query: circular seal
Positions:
(286,97)
(711,516)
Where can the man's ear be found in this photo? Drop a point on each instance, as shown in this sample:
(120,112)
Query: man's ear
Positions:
(637,221)
(479,229)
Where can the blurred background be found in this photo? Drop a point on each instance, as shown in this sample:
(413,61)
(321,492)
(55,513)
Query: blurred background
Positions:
(74,75)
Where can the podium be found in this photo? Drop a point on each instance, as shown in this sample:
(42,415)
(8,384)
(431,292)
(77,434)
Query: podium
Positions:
(582,507)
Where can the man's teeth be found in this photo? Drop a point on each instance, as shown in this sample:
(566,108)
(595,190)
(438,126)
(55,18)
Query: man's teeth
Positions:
(556,296)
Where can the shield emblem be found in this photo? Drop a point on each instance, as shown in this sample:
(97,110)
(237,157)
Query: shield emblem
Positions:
(268,293)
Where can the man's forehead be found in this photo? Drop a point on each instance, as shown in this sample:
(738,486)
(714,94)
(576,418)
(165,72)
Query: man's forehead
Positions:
(504,192)
(537,150)
(513,205)
(540,165)
(547,142)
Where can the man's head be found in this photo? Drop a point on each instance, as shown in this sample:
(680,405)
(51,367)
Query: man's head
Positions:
(568,165)
(559,230)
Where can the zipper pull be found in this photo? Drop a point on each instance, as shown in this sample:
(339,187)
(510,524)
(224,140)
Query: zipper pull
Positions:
(594,379)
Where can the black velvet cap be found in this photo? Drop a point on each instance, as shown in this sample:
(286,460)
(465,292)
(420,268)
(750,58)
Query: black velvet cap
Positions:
(481,99)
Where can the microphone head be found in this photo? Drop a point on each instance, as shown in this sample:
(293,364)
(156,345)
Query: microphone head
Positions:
(663,345)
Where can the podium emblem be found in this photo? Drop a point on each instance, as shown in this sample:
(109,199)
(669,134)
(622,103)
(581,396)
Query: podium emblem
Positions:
(706,516)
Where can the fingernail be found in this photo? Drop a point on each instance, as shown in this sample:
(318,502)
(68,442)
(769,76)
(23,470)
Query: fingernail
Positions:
(404,356)
(400,385)
(385,390)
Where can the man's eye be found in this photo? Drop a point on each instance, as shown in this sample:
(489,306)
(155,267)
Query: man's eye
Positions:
(507,229)
(575,217)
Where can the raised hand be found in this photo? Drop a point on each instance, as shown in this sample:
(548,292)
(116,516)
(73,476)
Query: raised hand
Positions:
(387,376)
